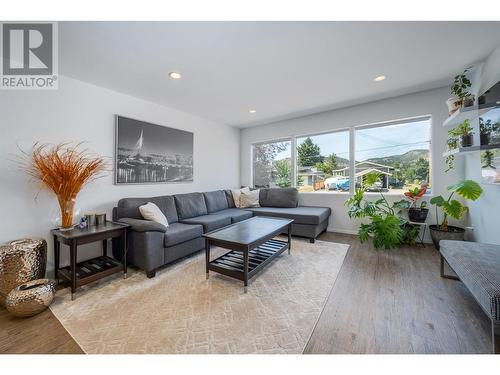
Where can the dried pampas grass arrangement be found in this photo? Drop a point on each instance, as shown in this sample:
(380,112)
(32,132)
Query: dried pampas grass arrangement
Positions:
(64,169)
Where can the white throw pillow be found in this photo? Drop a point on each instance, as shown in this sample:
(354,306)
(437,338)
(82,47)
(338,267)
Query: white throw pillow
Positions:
(249,199)
(150,211)
(237,194)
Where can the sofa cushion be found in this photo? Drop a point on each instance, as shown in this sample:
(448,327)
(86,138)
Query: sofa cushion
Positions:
(478,267)
(300,215)
(209,222)
(236,214)
(129,207)
(178,232)
(141,225)
(279,197)
(230,199)
(215,201)
(190,205)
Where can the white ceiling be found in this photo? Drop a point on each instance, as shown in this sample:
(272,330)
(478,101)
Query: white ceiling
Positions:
(282,69)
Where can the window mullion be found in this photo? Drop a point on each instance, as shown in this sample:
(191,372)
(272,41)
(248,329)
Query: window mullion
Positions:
(352,160)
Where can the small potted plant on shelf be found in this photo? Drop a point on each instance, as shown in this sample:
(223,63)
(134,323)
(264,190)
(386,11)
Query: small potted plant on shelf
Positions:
(467,189)
(465,132)
(485,128)
(461,97)
(417,214)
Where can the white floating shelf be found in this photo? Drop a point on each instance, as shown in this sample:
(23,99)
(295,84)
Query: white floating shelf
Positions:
(460,116)
(466,150)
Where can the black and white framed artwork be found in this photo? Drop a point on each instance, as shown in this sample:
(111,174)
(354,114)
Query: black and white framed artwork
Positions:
(147,153)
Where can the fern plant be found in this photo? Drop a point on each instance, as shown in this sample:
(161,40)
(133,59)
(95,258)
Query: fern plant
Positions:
(386,228)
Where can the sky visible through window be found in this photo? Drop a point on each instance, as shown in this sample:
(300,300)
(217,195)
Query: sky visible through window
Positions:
(374,142)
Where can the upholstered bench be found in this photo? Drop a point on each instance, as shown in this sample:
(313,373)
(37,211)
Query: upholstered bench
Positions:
(477,265)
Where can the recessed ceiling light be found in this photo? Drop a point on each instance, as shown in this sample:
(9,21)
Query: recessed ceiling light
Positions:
(379,78)
(175,75)
(252,111)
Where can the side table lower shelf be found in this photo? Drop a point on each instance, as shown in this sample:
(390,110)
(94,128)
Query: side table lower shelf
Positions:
(92,269)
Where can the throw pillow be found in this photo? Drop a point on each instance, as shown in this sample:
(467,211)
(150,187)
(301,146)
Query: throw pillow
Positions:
(150,211)
(249,199)
(237,194)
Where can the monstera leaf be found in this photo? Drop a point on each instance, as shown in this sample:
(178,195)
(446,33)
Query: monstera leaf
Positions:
(467,189)
(454,209)
(438,201)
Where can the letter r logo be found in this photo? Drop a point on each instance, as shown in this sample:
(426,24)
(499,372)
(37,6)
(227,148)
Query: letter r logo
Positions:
(27,49)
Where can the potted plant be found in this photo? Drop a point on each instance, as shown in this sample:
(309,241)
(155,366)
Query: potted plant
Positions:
(467,189)
(386,228)
(461,97)
(465,132)
(485,128)
(417,214)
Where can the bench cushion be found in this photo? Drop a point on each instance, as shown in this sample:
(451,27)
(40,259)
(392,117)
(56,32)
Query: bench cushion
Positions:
(177,233)
(190,205)
(215,201)
(300,215)
(209,222)
(478,267)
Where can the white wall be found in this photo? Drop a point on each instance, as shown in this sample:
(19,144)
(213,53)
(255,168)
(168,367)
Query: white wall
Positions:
(77,112)
(424,103)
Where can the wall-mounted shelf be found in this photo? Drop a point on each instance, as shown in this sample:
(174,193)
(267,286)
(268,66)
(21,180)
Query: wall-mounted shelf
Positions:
(460,116)
(469,113)
(466,150)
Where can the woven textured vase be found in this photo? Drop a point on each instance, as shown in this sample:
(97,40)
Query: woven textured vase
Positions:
(30,298)
(21,261)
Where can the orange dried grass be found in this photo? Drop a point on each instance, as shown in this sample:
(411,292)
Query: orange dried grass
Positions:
(64,169)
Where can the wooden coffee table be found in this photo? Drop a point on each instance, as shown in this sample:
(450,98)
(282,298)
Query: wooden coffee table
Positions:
(252,246)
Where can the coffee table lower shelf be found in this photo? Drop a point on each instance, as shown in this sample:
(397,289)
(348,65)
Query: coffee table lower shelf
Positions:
(231,263)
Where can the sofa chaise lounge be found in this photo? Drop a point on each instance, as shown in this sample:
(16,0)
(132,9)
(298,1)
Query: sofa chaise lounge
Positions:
(152,245)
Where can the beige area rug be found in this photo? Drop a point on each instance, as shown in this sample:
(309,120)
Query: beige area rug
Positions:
(179,311)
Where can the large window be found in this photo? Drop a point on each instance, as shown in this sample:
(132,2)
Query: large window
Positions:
(272,164)
(399,153)
(333,162)
(323,162)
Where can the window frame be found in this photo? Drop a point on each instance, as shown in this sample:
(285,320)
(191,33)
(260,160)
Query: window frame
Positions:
(352,148)
(275,140)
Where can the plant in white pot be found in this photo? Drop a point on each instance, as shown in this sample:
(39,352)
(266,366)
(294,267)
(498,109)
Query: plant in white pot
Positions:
(461,97)
(467,189)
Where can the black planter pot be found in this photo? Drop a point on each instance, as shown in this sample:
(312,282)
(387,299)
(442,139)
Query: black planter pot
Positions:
(467,140)
(453,233)
(418,215)
(485,139)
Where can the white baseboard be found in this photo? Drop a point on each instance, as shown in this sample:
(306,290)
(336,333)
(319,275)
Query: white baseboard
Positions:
(339,230)
(427,239)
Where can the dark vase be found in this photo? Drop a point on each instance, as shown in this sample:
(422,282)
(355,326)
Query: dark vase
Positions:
(467,140)
(452,233)
(418,215)
(485,139)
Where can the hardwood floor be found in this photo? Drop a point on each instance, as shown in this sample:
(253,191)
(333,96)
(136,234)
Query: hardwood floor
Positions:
(382,302)
(40,334)
(394,301)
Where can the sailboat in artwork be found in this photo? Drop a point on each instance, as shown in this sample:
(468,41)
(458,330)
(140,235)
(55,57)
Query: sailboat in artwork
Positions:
(136,157)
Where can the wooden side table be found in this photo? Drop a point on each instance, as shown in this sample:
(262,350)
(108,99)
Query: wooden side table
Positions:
(90,270)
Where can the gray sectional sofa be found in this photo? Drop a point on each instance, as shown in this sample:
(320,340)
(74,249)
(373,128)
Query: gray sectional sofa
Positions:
(152,245)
